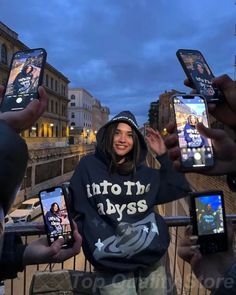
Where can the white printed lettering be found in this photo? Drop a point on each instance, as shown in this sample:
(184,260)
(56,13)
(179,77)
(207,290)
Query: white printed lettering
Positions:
(140,188)
(88,191)
(96,189)
(142,206)
(129,184)
(105,184)
(120,210)
(116,189)
(131,208)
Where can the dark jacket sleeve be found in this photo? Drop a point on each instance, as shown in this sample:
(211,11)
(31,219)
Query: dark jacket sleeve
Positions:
(11,261)
(13,163)
(173,184)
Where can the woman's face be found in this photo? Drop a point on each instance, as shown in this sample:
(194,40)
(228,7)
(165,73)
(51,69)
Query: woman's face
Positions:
(200,68)
(55,208)
(193,120)
(123,139)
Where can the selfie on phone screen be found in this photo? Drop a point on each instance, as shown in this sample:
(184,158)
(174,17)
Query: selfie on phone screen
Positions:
(24,78)
(55,214)
(196,150)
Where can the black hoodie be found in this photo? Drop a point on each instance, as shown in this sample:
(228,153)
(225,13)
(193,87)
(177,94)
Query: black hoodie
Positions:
(116,213)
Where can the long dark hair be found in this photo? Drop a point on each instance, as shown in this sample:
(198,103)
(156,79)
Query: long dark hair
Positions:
(131,159)
(52,207)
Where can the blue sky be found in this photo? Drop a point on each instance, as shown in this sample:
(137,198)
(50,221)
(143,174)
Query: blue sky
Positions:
(123,51)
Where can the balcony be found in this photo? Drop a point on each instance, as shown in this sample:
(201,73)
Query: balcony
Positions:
(180,278)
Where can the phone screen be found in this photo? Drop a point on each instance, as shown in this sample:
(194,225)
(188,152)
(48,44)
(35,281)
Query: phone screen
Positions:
(24,78)
(55,213)
(198,71)
(196,150)
(209,211)
(209,221)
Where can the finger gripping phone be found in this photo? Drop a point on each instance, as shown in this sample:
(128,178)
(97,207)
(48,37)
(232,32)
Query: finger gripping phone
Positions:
(207,213)
(57,219)
(196,150)
(25,75)
(199,74)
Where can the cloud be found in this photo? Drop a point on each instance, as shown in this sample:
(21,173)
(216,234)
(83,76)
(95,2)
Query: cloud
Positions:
(123,51)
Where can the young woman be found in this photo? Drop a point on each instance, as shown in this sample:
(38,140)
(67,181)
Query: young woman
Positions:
(114,197)
(54,220)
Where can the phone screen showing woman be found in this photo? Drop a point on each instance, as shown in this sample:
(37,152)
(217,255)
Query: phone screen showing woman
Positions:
(196,150)
(55,214)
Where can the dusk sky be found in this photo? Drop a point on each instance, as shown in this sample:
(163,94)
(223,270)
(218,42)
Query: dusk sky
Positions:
(123,51)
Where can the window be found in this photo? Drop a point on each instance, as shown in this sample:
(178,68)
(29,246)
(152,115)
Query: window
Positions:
(47,80)
(72,104)
(63,131)
(42,130)
(56,107)
(63,89)
(72,115)
(63,110)
(72,96)
(52,106)
(56,85)
(52,81)
(37,129)
(52,131)
(4,54)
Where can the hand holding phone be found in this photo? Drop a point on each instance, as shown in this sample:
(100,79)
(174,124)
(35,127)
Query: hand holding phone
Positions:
(199,74)
(57,219)
(196,150)
(26,74)
(207,213)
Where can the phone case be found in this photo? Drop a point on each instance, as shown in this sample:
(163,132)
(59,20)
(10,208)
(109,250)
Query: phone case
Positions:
(196,150)
(25,75)
(207,212)
(199,74)
(57,219)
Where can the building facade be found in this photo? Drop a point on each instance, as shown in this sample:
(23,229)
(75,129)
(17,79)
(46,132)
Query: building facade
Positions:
(86,115)
(51,159)
(53,124)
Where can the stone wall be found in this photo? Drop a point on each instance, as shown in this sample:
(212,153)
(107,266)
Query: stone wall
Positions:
(49,167)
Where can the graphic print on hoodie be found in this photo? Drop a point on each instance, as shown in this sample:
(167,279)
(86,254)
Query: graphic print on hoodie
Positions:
(116,213)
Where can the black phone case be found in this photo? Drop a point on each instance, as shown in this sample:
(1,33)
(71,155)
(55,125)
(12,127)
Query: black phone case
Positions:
(69,242)
(218,96)
(184,168)
(210,243)
(8,104)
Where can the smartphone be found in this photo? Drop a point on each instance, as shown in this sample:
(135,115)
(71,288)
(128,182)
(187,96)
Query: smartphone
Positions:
(25,75)
(199,74)
(57,219)
(196,150)
(207,213)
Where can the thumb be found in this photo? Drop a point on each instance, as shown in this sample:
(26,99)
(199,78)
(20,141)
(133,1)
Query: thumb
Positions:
(215,134)
(57,245)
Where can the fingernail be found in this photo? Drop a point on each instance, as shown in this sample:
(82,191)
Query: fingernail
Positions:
(193,238)
(189,227)
(195,247)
